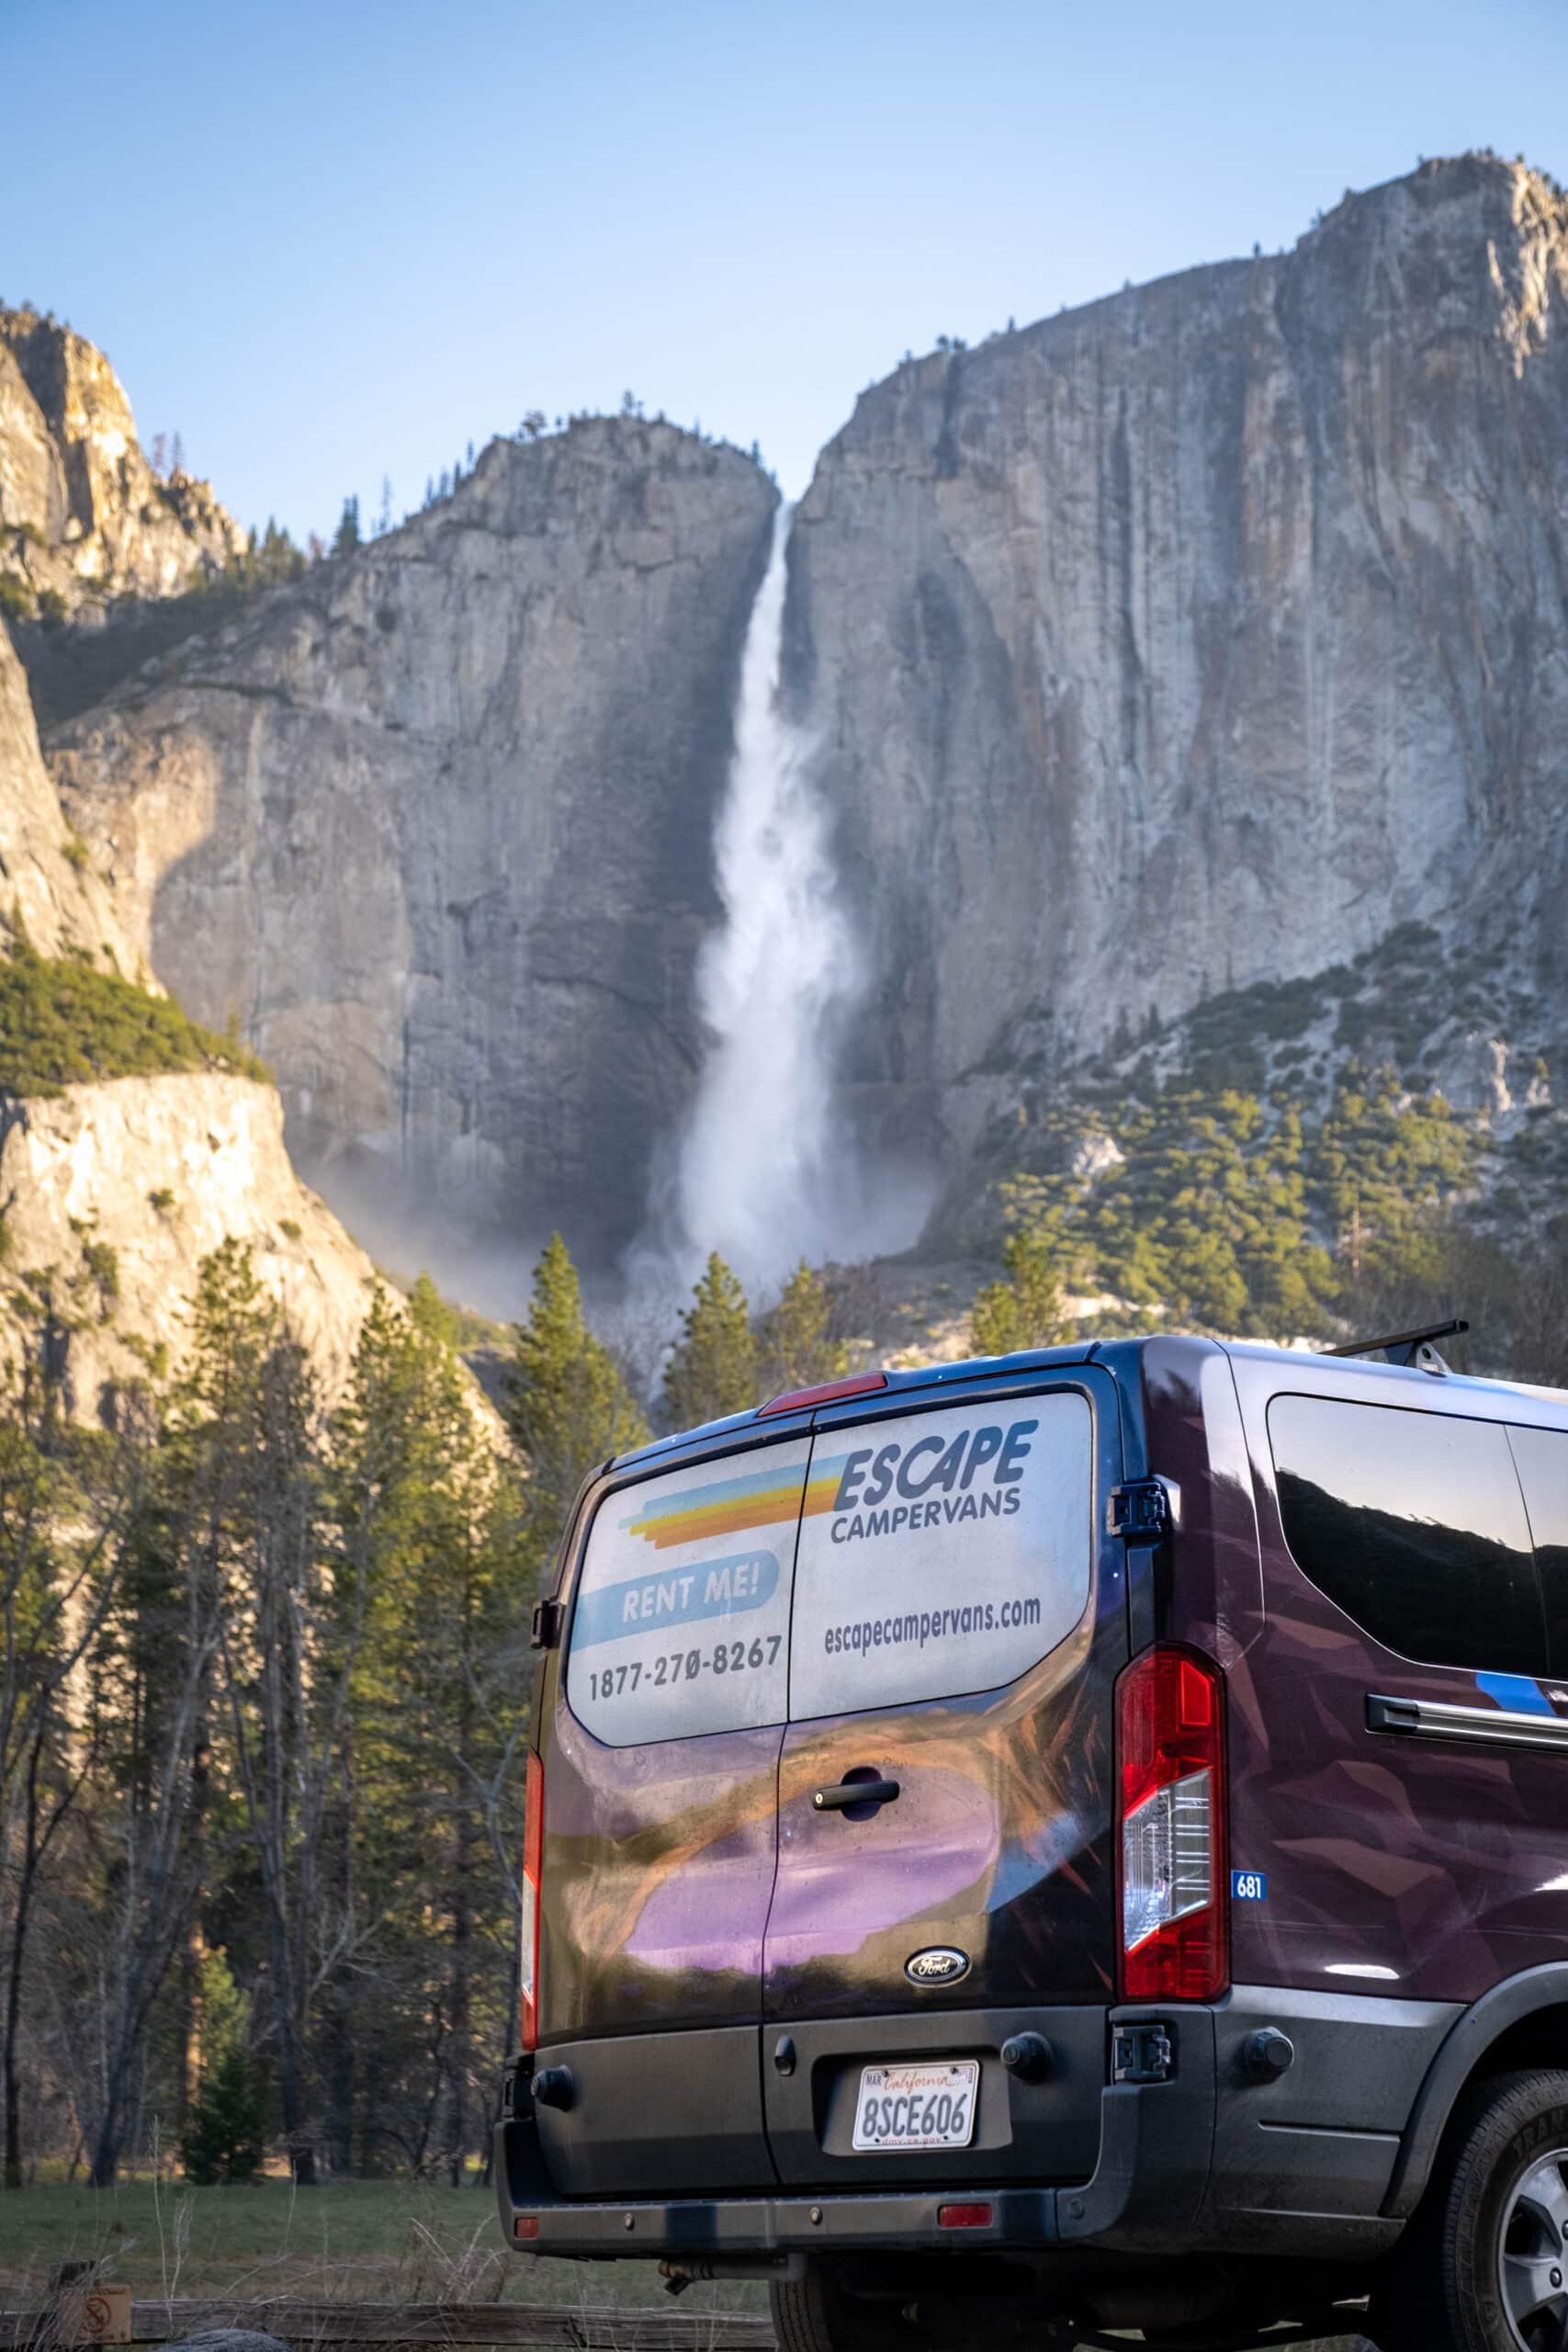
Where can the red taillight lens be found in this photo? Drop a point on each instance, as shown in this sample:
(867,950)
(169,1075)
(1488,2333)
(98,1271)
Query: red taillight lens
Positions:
(1170,1769)
(963,2217)
(533,1856)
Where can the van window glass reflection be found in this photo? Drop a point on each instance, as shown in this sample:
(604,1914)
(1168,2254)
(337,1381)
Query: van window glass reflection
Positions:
(1414,1523)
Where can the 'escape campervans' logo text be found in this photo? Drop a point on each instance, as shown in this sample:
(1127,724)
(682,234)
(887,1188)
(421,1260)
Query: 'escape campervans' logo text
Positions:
(935,1482)
(877,1490)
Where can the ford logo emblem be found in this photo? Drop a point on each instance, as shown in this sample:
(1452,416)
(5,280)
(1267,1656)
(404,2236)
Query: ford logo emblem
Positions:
(939,1965)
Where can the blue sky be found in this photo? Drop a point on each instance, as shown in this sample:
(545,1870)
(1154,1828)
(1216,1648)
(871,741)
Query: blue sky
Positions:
(329,241)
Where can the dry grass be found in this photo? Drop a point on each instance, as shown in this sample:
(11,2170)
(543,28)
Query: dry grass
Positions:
(361,2242)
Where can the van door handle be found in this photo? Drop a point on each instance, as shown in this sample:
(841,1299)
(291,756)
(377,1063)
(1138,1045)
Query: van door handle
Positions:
(1486,1727)
(848,1793)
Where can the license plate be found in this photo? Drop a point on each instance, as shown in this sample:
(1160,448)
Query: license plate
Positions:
(917,2106)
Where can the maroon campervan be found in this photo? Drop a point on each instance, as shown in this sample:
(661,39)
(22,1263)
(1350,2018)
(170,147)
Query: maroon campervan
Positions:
(1073,1841)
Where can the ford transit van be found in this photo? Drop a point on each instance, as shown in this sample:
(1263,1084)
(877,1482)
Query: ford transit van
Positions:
(1066,1843)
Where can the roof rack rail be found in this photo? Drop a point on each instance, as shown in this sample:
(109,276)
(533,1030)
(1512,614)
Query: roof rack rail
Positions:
(1409,1348)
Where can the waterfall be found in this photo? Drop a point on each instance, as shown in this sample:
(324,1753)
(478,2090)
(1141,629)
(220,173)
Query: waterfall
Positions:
(765,1172)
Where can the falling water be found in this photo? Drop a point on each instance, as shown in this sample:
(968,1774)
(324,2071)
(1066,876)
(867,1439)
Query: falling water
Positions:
(766,1173)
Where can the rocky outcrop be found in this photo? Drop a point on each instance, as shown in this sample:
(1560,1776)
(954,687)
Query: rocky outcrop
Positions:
(111,1196)
(84,517)
(436,825)
(48,882)
(1200,637)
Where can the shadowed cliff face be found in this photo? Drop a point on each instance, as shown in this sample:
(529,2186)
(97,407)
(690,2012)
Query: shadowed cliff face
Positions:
(51,888)
(437,826)
(1199,636)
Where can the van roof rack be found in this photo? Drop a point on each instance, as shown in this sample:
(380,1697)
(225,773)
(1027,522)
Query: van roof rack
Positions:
(1410,1348)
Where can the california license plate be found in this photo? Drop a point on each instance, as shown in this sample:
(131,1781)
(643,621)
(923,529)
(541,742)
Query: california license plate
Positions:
(917,2106)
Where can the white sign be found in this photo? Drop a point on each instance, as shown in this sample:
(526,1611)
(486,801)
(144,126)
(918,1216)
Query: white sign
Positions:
(682,1619)
(941,1553)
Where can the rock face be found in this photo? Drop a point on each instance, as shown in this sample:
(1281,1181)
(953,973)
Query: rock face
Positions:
(1201,637)
(113,1194)
(83,515)
(110,1195)
(1204,635)
(47,877)
(437,824)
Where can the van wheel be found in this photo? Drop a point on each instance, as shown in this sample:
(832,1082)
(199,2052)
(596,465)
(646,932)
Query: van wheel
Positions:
(1485,2267)
(817,2314)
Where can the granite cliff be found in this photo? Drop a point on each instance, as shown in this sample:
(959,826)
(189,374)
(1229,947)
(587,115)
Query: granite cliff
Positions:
(1198,639)
(437,824)
(84,517)
(111,1194)
(47,882)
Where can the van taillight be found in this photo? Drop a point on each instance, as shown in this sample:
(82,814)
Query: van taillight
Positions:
(1170,1769)
(828,1392)
(533,1855)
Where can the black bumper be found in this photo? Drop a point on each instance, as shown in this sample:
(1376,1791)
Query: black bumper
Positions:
(1206,2160)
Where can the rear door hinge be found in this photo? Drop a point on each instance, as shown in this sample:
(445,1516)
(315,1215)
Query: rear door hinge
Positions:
(1142,2053)
(1142,1509)
(547,1615)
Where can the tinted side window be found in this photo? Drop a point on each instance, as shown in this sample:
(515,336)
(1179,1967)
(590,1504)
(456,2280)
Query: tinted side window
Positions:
(1542,1457)
(941,1552)
(681,1622)
(1414,1523)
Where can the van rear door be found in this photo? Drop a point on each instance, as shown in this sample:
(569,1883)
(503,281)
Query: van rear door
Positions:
(960,1618)
(660,1777)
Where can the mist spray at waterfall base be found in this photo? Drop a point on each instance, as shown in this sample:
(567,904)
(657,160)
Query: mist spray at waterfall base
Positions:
(765,1172)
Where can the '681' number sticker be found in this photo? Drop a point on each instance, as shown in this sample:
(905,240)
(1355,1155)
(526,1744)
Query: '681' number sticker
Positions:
(1250,1886)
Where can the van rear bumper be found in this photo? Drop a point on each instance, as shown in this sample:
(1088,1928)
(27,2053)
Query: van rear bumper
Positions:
(1144,2190)
(1205,2159)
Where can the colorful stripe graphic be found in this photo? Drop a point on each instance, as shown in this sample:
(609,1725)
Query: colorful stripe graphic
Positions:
(675,1597)
(730,1506)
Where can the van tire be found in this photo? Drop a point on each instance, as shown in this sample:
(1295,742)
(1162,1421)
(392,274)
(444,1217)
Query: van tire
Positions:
(1500,2186)
(804,2310)
(814,2313)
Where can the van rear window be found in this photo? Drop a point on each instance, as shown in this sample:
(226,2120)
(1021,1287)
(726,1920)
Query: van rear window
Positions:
(681,1622)
(1414,1525)
(941,1553)
(923,1555)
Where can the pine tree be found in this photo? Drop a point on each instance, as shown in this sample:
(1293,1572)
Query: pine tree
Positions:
(428,1521)
(713,1367)
(795,1345)
(277,557)
(260,1491)
(1027,1309)
(567,1403)
(222,2138)
(347,538)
